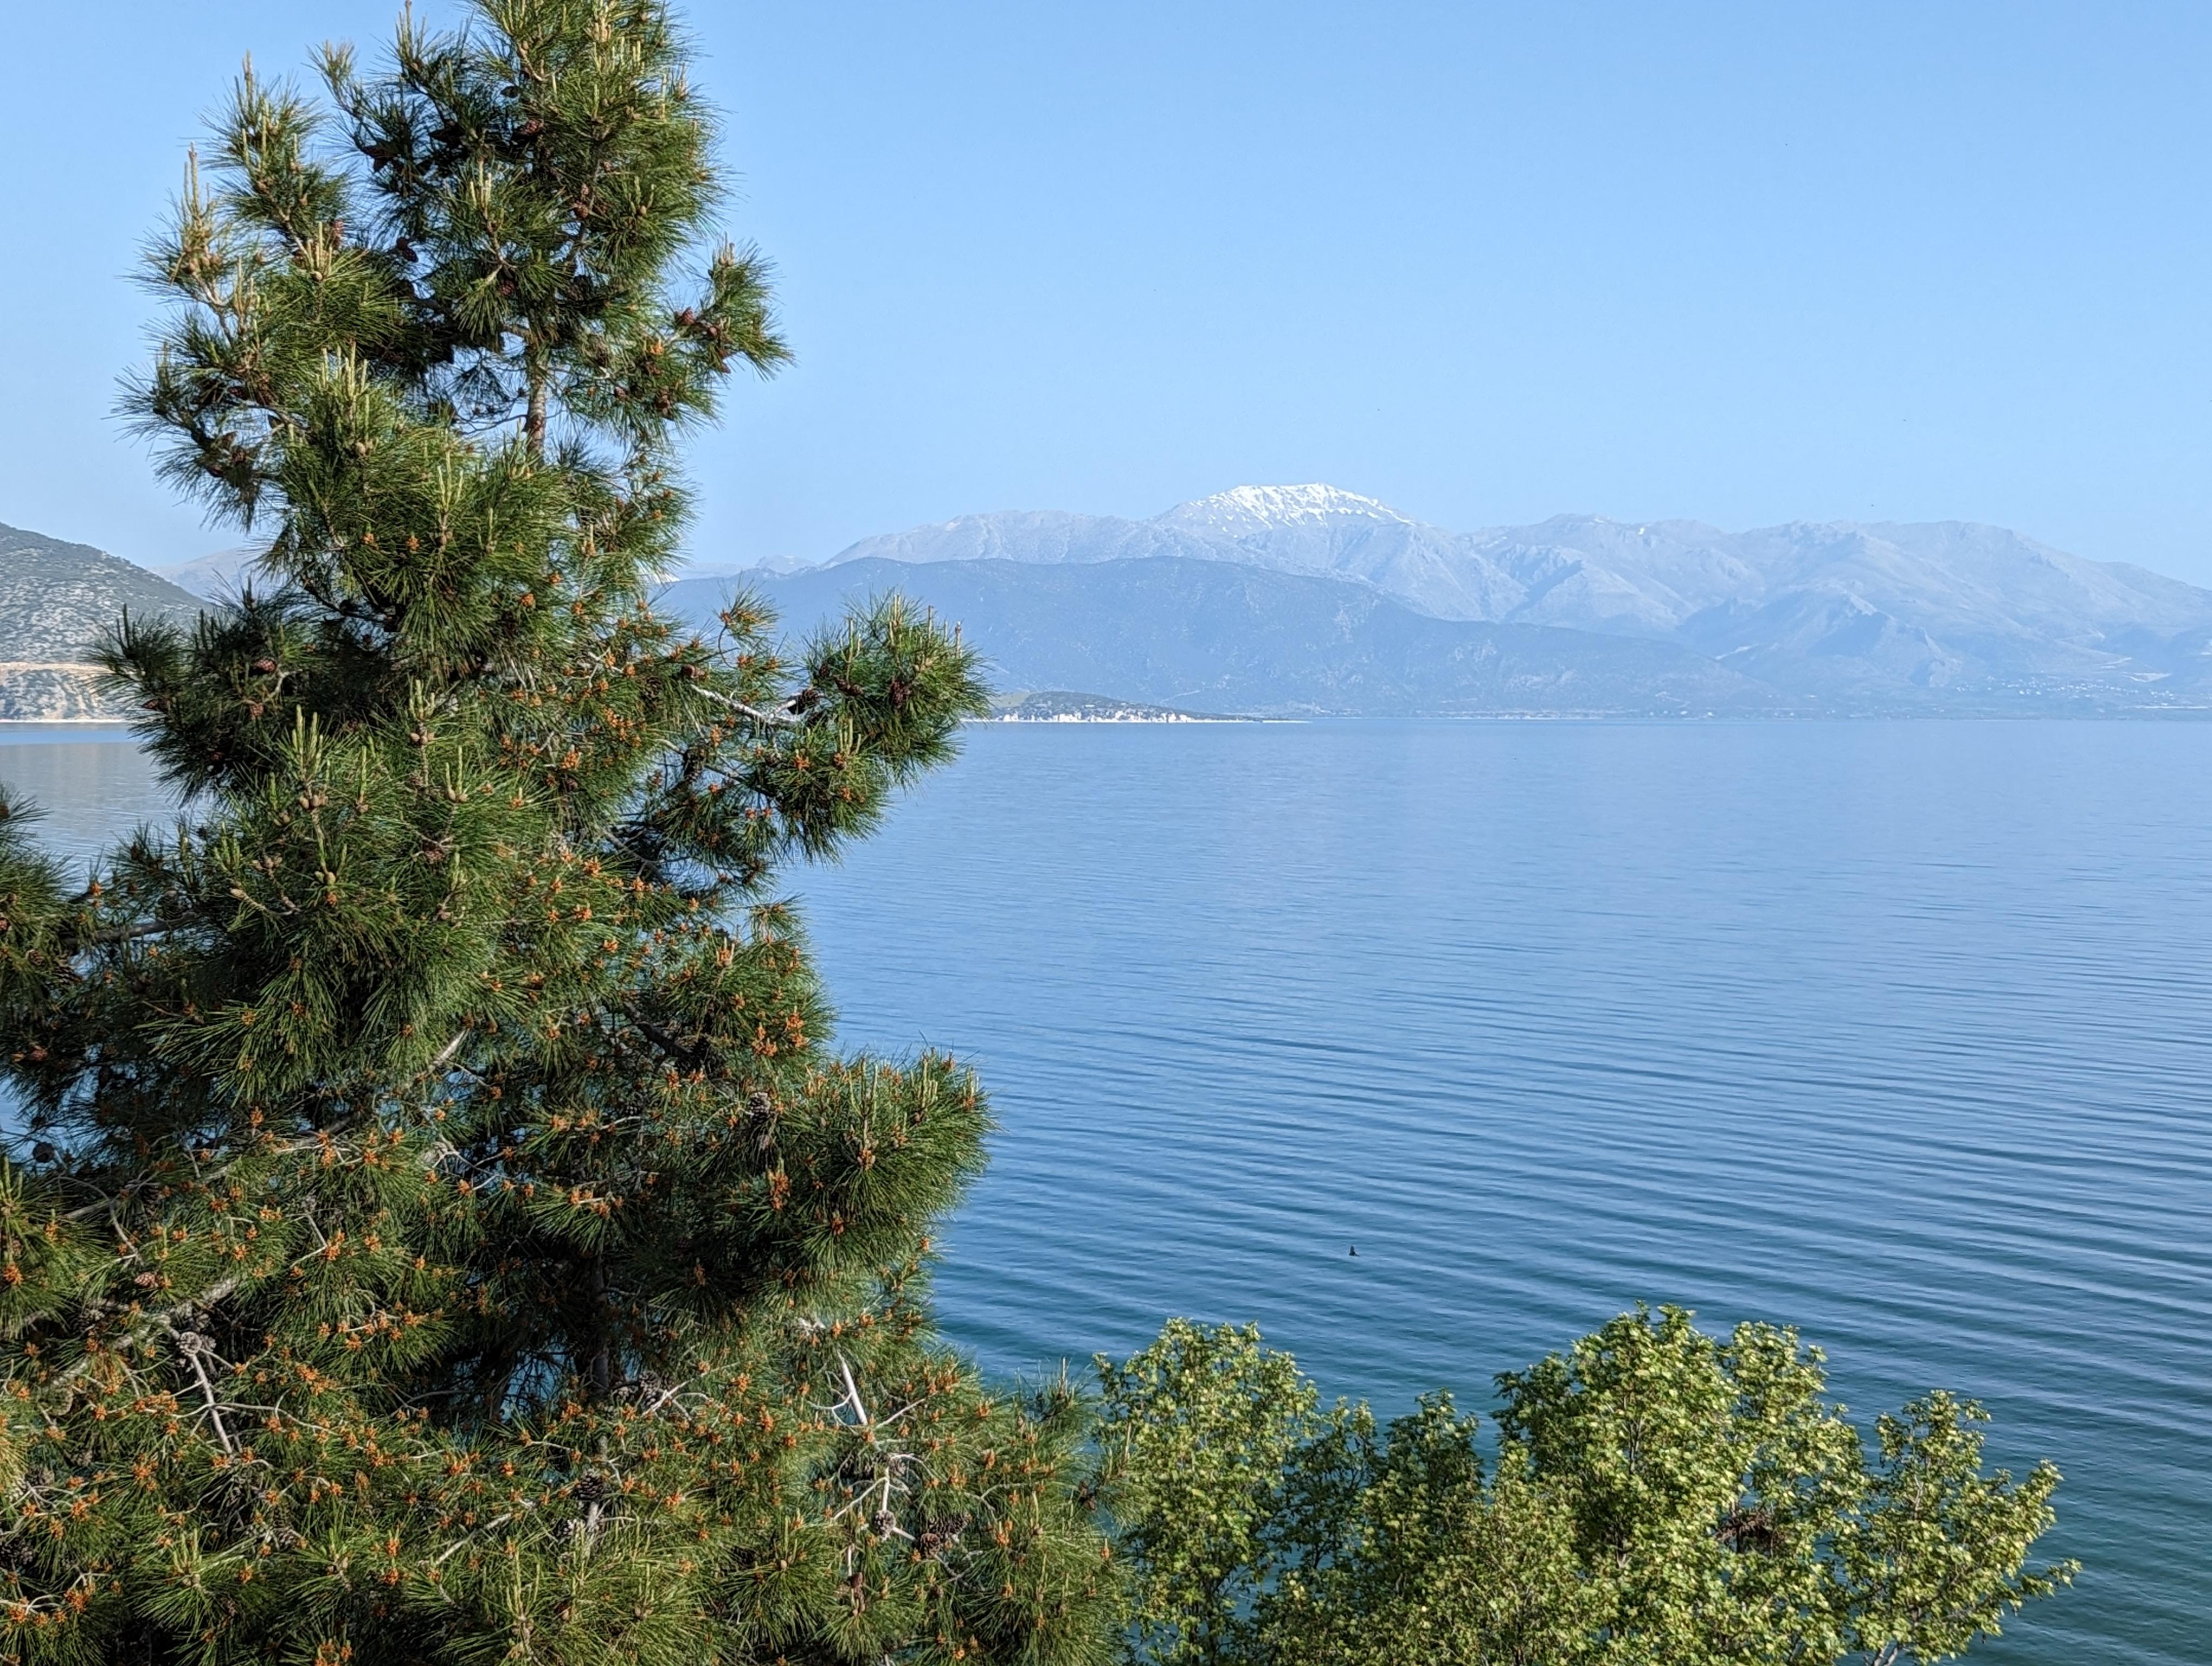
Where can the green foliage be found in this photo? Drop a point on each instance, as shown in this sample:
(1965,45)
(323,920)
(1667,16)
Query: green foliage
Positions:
(1196,1439)
(1658,1497)
(1940,1558)
(440,1230)
(1400,1537)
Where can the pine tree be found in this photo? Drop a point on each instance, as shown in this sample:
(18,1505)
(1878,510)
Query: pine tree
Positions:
(438,1228)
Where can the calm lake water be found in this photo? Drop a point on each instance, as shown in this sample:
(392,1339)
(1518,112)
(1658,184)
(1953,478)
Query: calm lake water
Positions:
(1898,1032)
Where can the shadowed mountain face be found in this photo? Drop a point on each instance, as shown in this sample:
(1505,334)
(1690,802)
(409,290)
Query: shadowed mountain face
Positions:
(1221,636)
(1894,615)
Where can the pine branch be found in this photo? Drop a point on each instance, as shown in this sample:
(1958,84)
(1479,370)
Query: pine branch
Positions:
(110,935)
(784,718)
(192,1345)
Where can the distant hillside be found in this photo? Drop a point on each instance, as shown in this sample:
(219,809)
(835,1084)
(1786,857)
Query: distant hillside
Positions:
(1216,636)
(211,577)
(1839,616)
(56,600)
(1066,706)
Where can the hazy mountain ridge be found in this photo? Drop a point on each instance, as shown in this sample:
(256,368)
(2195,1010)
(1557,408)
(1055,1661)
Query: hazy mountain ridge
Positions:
(214,577)
(1230,637)
(1315,530)
(1824,611)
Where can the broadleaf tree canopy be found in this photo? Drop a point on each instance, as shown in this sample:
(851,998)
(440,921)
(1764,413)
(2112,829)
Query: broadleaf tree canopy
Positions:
(1655,1496)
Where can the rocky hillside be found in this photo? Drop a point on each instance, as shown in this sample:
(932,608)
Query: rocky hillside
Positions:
(55,598)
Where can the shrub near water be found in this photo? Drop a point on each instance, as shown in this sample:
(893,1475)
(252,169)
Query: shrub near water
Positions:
(440,1230)
(1656,1496)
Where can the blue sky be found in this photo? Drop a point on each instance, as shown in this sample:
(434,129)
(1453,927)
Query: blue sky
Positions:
(1741,263)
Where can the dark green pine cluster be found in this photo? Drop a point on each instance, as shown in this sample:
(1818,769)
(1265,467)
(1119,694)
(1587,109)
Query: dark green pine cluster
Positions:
(440,1230)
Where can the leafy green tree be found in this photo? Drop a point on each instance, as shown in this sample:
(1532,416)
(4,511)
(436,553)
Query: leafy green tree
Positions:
(1938,1558)
(1398,1536)
(439,1229)
(1197,1438)
(1658,1497)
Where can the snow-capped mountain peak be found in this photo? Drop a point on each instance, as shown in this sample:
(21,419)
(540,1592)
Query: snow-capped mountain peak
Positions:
(1256,508)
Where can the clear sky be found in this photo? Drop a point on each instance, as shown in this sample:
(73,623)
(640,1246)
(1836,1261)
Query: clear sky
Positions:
(1742,263)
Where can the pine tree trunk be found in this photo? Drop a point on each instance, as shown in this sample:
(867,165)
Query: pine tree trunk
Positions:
(533,421)
(602,1370)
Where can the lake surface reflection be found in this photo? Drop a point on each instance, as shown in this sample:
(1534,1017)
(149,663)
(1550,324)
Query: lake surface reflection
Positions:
(1895,1031)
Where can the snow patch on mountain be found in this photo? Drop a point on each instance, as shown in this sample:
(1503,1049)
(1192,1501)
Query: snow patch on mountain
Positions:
(1249,508)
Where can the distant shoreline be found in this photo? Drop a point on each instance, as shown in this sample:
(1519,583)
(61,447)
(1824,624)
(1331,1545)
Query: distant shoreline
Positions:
(18,729)
(1073,717)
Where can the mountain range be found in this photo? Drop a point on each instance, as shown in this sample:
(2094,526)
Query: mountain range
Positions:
(1289,600)
(1826,616)
(1225,636)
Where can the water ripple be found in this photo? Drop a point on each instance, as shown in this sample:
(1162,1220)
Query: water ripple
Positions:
(1894,1032)
(1897,1032)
